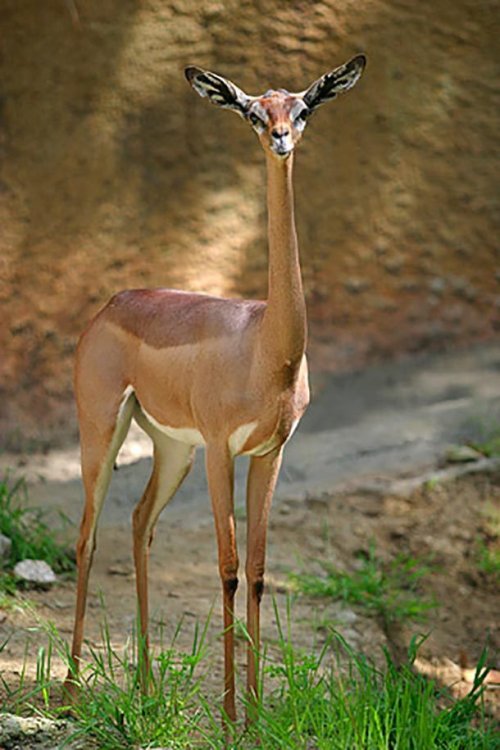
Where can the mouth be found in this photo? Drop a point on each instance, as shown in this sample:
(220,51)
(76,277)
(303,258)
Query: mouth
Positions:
(281,150)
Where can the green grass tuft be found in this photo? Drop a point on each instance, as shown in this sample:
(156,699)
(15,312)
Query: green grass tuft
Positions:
(486,435)
(488,560)
(389,591)
(29,532)
(338,700)
(332,700)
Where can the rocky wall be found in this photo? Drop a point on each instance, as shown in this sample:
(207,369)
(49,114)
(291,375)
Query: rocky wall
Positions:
(114,175)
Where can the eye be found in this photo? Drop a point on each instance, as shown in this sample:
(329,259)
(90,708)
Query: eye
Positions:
(303,115)
(255,120)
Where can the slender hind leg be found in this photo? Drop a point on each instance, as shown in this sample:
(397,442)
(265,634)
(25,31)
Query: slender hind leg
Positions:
(100,444)
(171,463)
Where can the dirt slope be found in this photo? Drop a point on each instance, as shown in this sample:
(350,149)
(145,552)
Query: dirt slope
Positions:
(115,175)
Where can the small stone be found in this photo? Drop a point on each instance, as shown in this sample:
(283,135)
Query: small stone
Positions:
(437,285)
(461,454)
(18,731)
(351,636)
(381,247)
(120,570)
(356,285)
(409,285)
(37,572)
(5,547)
(347,616)
(454,313)
(393,265)
(58,604)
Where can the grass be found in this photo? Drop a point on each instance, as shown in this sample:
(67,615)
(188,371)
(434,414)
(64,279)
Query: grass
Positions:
(487,545)
(389,591)
(113,710)
(486,435)
(30,534)
(331,699)
(488,560)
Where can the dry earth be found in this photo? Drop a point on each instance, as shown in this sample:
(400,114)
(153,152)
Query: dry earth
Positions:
(335,528)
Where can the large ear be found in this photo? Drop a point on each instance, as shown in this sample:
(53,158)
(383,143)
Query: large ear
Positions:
(339,80)
(219,90)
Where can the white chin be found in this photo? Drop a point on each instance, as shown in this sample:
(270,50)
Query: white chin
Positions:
(281,154)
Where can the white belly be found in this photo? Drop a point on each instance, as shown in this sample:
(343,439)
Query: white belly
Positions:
(189,435)
(192,436)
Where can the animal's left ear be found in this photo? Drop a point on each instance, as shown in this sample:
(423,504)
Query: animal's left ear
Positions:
(219,90)
(339,80)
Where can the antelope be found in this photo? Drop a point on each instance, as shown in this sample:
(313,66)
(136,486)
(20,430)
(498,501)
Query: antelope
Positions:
(198,370)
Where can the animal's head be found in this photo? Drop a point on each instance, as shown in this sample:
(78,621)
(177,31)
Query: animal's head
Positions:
(278,117)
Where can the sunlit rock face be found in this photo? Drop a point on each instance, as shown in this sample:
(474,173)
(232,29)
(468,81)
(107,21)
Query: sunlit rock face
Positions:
(114,175)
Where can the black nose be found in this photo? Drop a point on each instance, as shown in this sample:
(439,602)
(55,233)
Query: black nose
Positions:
(279,133)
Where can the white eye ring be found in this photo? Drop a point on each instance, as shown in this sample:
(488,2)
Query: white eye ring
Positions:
(255,120)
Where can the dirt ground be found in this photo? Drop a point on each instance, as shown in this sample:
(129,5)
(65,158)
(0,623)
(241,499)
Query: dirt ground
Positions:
(336,528)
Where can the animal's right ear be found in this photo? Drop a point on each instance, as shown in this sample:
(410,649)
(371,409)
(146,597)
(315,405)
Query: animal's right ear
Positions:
(219,90)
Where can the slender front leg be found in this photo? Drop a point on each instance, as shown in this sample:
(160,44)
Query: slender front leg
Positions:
(220,473)
(262,478)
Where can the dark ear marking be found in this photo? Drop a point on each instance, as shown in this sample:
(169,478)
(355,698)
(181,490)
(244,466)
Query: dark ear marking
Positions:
(339,80)
(217,89)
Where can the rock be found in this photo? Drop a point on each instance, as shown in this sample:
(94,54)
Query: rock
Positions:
(437,285)
(351,636)
(36,572)
(5,547)
(393,265)
(462,454)
(381,246)
(120,570)
(347,616)
(37,733)
(356,286)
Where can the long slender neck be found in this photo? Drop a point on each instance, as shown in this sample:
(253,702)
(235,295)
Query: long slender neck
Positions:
(284,327)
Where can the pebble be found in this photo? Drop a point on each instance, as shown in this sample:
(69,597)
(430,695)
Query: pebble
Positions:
(461,454)
(347,616)
(120,570)
(393,265)
(37,572)
(351,636)
(37,733)
(356,285)
(437,285)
